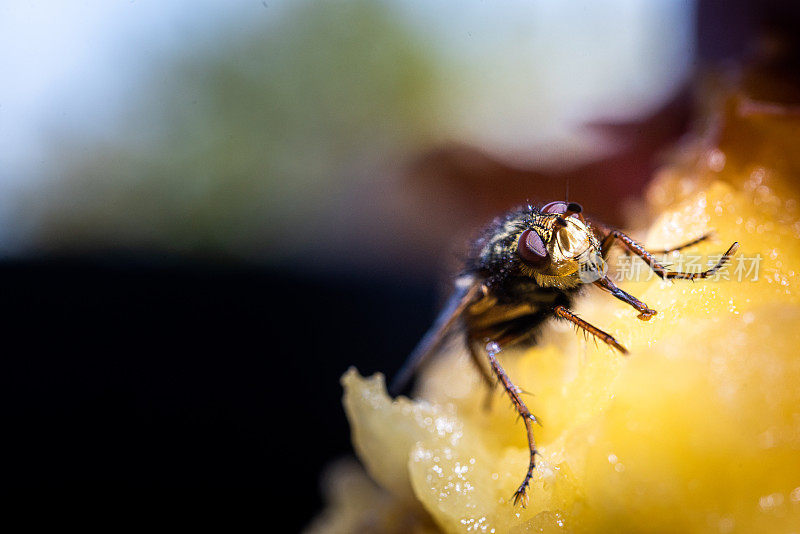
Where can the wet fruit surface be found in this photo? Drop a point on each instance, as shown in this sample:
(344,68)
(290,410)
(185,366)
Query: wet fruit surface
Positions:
(696,430)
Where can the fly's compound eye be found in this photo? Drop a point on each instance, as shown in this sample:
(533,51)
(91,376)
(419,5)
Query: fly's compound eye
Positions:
(555,207)
(531,248)
(560,207)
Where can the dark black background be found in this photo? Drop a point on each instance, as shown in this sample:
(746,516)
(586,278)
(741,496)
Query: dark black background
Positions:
(138,379)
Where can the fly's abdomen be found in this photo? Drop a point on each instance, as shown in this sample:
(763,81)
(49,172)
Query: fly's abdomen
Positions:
(529,306)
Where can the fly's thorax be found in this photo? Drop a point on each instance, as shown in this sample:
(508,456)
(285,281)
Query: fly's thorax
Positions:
(497,249)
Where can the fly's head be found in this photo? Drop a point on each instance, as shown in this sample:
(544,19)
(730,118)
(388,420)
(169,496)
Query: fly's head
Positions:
(558,249)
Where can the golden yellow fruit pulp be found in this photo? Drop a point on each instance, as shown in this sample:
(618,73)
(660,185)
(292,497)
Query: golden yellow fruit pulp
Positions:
(697,430)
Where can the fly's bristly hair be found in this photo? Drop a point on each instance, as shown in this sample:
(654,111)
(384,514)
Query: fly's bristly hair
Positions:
(493,255)
(496,249)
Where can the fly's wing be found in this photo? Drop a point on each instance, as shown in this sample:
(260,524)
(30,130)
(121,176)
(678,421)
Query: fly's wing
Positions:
(467,292)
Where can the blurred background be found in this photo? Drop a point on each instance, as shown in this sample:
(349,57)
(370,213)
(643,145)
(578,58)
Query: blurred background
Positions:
(209,210)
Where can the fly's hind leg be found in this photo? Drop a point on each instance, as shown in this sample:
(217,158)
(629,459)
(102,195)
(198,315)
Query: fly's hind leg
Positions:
(486,377)
(495,342)
(492,350)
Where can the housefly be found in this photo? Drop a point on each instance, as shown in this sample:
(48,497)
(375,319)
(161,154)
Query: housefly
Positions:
(527,267)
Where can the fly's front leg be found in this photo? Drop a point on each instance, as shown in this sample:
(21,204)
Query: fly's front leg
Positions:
(603,233)
(645,313)
(636,248)
(493,348)
(688,244)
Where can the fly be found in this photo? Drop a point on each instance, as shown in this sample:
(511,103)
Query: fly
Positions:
(527,267)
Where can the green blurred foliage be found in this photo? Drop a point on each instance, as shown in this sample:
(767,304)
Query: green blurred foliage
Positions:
(250,147)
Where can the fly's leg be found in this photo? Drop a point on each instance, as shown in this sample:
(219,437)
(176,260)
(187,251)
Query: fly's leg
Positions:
(493,348)
(660,270)
(485,375)
(606,338)
(495,339)
(645,313)
(688,244)
(604,233)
